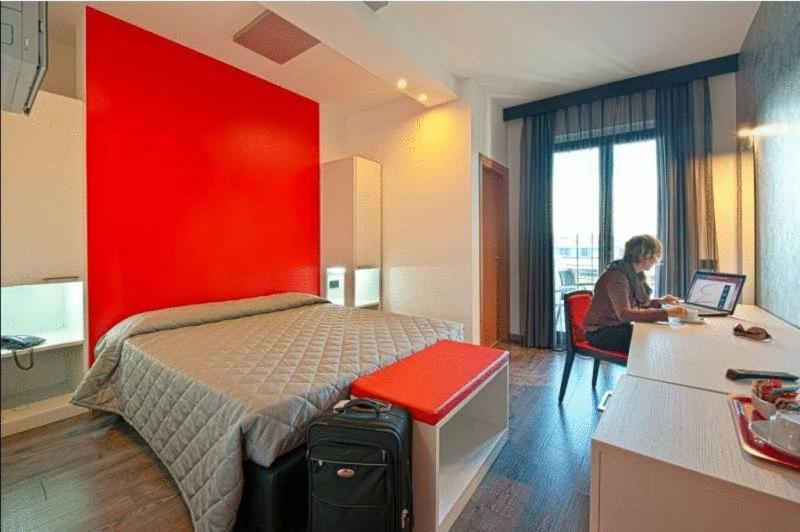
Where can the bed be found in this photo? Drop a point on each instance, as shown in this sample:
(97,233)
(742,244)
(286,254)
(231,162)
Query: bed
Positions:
(210,387)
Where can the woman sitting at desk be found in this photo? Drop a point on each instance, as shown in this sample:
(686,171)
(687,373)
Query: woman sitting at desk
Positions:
(622,295)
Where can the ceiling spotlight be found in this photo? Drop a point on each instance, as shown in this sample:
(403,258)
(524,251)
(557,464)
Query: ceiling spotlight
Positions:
(423,98)
(402,84)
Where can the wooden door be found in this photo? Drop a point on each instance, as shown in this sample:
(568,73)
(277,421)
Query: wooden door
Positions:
(494,251)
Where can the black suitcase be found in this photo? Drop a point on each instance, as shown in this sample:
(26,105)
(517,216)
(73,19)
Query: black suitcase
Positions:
(359,469)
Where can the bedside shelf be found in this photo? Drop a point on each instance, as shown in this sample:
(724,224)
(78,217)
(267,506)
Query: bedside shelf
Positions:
(55,339)
(40,395)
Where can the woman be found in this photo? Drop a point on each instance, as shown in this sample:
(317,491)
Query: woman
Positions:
(622,295)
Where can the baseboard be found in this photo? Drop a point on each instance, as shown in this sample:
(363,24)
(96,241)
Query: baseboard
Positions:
(38,414)
(515,339)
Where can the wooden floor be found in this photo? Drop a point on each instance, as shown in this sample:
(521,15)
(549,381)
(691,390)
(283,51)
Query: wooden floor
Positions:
(93,472)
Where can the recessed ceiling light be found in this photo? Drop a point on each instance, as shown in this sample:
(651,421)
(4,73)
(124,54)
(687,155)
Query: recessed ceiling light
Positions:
(423,98)
(402,84)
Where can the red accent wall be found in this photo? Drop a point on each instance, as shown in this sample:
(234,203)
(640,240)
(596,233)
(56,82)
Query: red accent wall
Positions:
(202,180)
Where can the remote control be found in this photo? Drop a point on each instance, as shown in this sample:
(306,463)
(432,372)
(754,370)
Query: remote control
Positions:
(737,374)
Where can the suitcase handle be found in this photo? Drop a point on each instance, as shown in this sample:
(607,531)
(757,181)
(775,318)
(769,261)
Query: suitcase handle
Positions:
(364,404)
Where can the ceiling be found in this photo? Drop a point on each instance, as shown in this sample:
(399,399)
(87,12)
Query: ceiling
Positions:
(321,73)
(534,50)
(519,51)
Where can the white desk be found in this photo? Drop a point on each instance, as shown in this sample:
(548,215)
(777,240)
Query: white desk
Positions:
(699,355)
(666,457)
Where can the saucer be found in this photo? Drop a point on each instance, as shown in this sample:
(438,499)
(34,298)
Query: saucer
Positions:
(761,429)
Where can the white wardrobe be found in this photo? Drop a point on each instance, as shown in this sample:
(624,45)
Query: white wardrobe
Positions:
(350,232)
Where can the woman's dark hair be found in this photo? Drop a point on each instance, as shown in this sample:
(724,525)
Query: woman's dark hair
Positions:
(641,248)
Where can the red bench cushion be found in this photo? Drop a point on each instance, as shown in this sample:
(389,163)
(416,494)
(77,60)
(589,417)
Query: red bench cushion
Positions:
(432,382)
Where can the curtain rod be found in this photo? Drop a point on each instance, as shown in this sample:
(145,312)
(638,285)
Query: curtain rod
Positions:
(672,76)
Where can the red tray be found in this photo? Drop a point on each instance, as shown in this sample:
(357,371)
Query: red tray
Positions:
(743,414)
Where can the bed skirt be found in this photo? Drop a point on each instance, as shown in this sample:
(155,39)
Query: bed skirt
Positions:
(275,498)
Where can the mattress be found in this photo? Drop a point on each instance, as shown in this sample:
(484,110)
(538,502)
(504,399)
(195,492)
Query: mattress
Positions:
(207,386)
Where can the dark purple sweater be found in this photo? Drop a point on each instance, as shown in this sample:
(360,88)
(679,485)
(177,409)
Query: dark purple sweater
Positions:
(614,304)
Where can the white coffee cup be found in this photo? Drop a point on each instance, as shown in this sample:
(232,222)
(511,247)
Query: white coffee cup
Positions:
(784,430)
(692,315)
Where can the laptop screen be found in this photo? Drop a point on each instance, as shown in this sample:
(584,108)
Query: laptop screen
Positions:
(715,290)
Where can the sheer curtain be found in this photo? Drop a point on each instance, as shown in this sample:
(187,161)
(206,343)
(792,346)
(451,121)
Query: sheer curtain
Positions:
(686,188)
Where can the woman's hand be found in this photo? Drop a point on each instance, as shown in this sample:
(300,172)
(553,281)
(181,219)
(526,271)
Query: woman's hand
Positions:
(670,300)
(676,312)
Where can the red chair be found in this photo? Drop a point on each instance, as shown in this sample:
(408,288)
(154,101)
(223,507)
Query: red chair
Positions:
(576,304)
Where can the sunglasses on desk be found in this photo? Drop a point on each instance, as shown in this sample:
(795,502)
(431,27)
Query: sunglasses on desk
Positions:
(754,333)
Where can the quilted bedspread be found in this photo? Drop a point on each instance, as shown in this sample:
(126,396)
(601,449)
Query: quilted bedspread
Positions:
(210,385)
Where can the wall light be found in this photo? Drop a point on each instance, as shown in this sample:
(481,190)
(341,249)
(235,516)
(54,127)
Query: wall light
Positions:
(423,98)
(768,130)
(402,84)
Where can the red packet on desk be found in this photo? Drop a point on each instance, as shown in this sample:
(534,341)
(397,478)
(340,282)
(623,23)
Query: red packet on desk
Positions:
(743,414)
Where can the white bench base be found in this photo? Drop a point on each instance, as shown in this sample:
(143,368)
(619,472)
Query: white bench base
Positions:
(451,458)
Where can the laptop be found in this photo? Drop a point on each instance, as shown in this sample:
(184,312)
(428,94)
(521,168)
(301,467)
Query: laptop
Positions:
(714,293)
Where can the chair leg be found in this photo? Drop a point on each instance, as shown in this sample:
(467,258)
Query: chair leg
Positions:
(565,376)
(595,371)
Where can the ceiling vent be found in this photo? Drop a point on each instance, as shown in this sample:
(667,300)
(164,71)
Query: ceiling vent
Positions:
(375,6)
(275,38)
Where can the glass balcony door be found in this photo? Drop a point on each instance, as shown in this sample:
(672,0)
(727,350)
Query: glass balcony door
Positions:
(602,195)
(576,230)
(635,196)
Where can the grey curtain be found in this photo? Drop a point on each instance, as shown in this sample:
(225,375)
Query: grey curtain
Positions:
(686,194)
(536,231)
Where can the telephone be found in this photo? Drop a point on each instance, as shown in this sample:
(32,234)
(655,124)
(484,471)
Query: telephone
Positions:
(21,341)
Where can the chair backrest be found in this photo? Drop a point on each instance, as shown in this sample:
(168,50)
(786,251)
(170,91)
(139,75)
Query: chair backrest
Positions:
(576,305)
(567,277)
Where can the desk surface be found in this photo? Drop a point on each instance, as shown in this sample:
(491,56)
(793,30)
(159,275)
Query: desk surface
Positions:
(691,429)
(699,355)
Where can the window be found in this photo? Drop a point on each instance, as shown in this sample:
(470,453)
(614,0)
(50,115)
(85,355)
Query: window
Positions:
(635,196)
(628,171)
(576,215)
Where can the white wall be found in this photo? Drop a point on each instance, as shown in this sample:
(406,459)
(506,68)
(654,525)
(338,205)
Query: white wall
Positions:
(514,131)
(60,75)
(43,193)
(332,142)
(723,112)
(498,147)
(723,105)
(428,233)
(480,142)
(431,208)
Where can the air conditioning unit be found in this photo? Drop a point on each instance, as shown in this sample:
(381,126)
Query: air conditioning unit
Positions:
(24,53)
